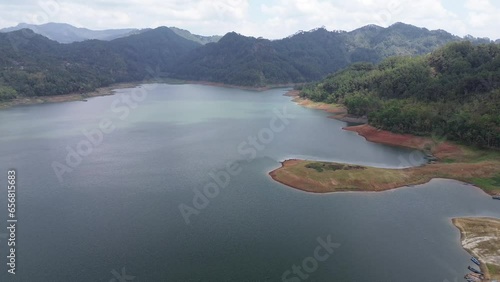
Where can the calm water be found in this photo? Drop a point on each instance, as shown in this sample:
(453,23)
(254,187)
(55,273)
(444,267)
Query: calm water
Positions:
(118,208)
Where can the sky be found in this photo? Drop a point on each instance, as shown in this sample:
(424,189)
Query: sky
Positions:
(271,19)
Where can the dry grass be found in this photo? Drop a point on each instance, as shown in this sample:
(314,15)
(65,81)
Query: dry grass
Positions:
(481,238)
(300,175)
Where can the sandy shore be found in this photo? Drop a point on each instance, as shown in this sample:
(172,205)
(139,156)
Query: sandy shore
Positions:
(338,111)
(481,238)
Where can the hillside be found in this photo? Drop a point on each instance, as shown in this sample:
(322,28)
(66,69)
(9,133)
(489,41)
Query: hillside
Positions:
(371,43)
(452,93)
(305,56)
(32,65)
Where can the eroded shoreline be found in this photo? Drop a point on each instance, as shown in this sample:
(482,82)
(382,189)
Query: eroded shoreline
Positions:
(450,161)
(338,112)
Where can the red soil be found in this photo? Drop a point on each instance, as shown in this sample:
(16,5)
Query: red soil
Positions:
(440,150)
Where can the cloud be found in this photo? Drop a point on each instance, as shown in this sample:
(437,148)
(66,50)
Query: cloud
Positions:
(270,19)
(349,15)
(483,17)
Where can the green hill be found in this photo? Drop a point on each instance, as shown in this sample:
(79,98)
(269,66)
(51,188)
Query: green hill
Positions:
(305,56)
(32,65)
(452,92)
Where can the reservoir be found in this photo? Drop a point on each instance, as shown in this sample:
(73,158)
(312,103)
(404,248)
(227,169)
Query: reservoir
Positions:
(170,183)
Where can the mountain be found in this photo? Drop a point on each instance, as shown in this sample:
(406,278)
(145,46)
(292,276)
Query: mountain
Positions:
(371,43)
(238,60)
(65,33)
(196,38)
(453,91)
(305,56)
(33,65)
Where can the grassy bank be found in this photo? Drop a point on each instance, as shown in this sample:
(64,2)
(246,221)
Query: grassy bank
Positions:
(481,238)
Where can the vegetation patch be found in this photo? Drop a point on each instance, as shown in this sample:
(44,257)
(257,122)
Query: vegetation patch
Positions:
(322,166)
(487,184)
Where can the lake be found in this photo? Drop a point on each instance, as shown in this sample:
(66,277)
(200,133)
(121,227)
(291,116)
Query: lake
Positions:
(170,183)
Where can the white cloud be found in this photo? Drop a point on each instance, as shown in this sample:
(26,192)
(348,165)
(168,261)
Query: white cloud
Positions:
(274,19)
(483,17)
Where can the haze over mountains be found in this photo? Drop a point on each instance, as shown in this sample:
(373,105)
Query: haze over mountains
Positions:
(33,65)
(65,33)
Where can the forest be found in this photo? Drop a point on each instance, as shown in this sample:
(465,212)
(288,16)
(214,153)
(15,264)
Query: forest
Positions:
(453,93)
(33,65)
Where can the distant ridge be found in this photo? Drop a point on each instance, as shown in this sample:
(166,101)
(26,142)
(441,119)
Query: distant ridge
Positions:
(65,33)
(307,55)
(194,37)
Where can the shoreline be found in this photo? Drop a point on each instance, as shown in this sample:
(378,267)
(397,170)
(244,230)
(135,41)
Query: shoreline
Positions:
(109,90)
(441,150)
(338,112)
(472,236)
(447,161)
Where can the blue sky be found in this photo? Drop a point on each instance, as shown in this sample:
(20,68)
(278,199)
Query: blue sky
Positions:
(271,19)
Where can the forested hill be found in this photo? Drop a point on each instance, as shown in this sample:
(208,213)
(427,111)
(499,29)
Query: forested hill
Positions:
(32,65)
(454,91)
(305,56)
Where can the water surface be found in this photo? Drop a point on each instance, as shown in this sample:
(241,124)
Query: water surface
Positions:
(119,208)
